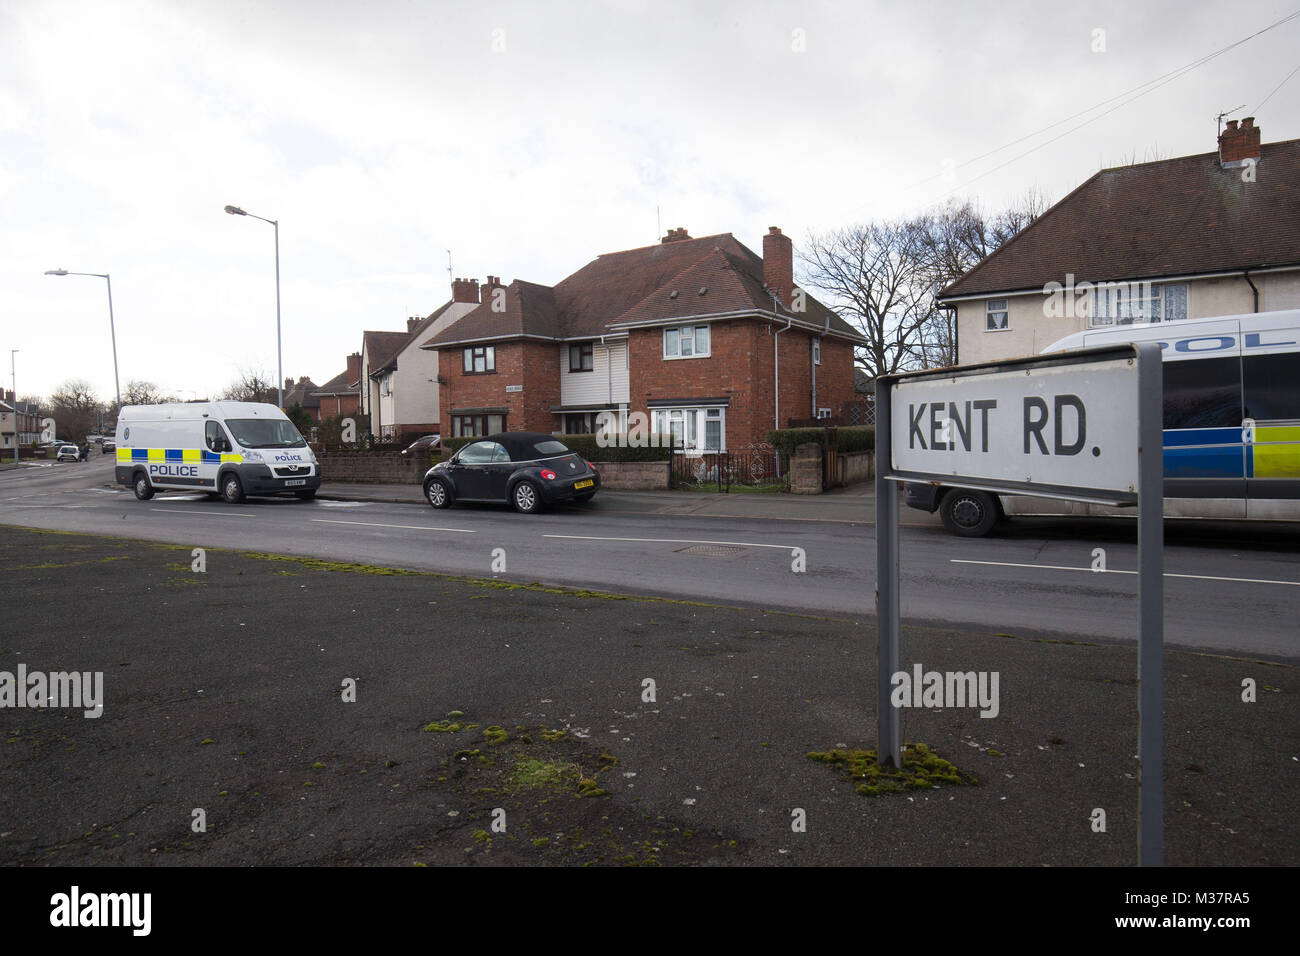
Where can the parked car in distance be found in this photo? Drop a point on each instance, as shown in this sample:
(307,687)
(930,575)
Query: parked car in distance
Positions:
(525,469)
(69,453)
(109,445)
(424,443)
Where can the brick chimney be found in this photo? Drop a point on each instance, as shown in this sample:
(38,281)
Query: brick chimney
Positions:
(1239,144)
(778,264)
(288,385)
(675,235)
(465,290)
(412,322)
(354,367)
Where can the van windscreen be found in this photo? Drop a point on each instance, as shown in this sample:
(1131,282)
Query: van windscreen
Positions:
(264,433)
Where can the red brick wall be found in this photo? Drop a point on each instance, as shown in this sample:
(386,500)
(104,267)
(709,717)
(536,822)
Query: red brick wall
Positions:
(835,376)
(332,406)
(740,366)
(534,365)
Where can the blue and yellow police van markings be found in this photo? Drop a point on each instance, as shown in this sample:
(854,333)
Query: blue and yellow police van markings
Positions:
(1276,452)
(1220,453)
(176,455)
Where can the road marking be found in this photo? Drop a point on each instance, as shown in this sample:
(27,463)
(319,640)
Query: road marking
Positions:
(204,514)
(1168,574)
(375,524)
(737,544)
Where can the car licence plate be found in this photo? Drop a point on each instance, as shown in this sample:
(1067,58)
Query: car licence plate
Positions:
(583,484)
(295,481)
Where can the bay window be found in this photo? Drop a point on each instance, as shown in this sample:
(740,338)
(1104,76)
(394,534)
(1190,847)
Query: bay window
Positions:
(696,430)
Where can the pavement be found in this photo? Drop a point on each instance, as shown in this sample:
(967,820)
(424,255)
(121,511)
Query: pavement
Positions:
(504,723)
(852,504)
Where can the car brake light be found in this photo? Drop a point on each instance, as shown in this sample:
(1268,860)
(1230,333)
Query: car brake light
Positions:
(548,474)
(591,466)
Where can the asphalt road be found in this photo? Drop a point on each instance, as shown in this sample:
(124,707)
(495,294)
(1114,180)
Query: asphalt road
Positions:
(482,704)
(1229,587)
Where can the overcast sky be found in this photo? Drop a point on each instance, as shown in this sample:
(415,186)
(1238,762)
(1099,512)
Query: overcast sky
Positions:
(528,138)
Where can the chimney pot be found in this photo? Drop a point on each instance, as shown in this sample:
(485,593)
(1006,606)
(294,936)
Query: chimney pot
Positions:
(465,290)
(1239,145)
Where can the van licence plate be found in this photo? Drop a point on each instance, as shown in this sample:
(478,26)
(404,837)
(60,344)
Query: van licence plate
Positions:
(583,484)
(295,481)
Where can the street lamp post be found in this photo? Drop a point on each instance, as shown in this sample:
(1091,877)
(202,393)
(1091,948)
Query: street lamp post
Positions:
(117,384)
(279,354)
(13,372)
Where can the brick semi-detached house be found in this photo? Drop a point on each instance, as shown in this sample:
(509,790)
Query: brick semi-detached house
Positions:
(713,343)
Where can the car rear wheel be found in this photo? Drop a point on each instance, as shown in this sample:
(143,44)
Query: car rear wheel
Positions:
(232,491)
(526,497)
(970,514)
(140,484)
(438,493)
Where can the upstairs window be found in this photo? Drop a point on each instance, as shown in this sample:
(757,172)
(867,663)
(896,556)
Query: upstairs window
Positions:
(480,359)
(996,318)
(1125,303)
(580,357)
(687,341)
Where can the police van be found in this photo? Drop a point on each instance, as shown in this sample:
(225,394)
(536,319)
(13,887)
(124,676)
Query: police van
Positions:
(231,449)
(1231,425)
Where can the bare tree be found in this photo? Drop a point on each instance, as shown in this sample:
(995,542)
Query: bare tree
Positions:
(872,275)
(75,409)
(140,392)
(884,278)
(251,386)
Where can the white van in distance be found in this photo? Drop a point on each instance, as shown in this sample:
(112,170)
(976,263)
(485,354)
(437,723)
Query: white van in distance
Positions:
(231,449)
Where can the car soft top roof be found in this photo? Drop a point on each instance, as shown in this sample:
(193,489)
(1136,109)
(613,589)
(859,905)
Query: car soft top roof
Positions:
(522,446)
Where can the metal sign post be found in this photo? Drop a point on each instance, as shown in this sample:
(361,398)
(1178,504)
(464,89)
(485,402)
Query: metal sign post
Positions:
(1083,426)
(1151,607)
(888,625)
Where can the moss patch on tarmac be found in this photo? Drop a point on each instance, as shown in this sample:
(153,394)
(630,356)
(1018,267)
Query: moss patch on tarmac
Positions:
(544,796)
(922,769)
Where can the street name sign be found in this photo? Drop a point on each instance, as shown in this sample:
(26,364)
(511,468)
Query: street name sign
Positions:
(1084,425)
(1065,427)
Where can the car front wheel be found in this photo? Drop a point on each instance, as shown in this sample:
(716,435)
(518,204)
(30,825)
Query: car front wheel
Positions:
(526,497)
(437,493)
(970,514)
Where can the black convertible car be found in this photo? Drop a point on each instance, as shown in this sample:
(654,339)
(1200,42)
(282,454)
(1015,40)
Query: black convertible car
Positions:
(526,469)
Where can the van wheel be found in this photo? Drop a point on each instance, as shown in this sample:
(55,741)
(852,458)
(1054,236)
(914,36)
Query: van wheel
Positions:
(140,484)
(970,514)
(232,491)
